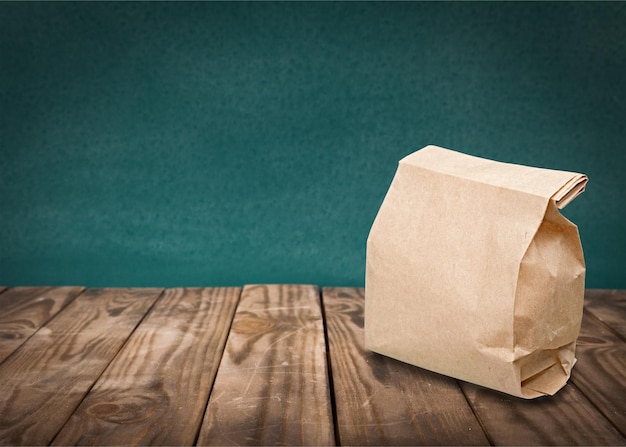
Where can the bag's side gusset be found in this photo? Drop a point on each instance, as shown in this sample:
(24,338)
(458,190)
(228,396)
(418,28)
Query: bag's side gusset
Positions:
(545,330)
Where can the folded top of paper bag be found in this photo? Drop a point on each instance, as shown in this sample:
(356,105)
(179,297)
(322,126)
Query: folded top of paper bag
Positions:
(537,181)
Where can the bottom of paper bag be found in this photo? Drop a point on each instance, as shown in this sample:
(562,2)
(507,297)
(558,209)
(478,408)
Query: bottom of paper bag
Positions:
(538,374)
(547,371)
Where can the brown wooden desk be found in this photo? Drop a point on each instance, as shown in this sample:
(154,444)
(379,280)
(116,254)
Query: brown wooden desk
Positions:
(269,365)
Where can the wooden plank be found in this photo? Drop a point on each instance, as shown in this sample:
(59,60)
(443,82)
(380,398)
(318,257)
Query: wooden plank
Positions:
(567,418)
(608,306)
(272,385)
(23,310)
(44,381)
(381,401)
(156,389)
(601,370)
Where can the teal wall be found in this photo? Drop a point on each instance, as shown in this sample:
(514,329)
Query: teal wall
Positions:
(230,143)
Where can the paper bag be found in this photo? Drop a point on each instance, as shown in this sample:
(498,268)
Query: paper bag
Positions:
(472,272)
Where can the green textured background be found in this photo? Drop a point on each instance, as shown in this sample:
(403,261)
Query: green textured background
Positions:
(231,143)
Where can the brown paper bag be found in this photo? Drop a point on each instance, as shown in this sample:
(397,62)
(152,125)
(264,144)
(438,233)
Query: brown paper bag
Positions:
(472,272)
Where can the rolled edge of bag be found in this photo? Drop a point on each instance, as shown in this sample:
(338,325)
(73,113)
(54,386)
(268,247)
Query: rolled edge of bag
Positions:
(568,192)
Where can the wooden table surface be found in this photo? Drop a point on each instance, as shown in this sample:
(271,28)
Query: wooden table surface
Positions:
(277,364)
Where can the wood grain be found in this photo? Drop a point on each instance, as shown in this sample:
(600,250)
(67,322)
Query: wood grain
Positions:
(601,370)
(45,380)
(381,401)
(156,389)
(272,386)
(608,306)
(136,366)
(23,310)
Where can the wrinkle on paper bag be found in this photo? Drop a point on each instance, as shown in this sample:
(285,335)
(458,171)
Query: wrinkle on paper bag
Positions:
(472,272)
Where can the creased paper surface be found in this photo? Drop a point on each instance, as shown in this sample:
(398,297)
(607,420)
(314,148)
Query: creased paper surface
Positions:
(472,272)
